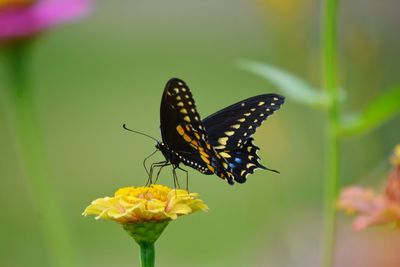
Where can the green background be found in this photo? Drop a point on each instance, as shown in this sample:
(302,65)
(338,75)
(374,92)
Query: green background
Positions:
(92,76)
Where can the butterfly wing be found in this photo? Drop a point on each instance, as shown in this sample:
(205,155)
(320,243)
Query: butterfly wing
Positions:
(183,131)
(231,127)
(178,115)
(230,131)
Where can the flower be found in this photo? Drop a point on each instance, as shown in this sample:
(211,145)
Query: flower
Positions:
(144,212)
(373,208)
(20,19)
(144,204)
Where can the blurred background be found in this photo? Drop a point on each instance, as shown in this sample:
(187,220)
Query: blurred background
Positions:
(110,68)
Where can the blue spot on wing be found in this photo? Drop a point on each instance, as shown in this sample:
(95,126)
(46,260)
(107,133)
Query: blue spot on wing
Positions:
(238,160)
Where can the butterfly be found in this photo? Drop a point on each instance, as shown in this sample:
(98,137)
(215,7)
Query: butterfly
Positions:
(222,143)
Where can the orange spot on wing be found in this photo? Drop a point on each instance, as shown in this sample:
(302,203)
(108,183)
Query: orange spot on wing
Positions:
(180,130)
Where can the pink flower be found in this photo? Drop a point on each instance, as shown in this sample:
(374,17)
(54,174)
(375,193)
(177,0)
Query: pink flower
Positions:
(373,208)
(20,19)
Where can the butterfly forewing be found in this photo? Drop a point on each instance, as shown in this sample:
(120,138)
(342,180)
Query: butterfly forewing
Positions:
(231,127)
(183,131)
(179,117)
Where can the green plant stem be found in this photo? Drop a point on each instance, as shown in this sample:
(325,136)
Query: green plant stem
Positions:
(43,195)
(147,254)
(329,47)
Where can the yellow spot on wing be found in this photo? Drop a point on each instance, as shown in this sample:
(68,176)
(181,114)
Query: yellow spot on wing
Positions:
(242,172)
(194,142)
(247,114)
(223,140)
(224,154)
(225,165)
(186,118)
(178,98)
(211,168)
(241,120)
(235,126)
(204,154)
(261,103)
(229,133)
(197,135)
(184,111)
(219,147)
(176,90)
(276,99)
(180,130)
(249,165)
(187,138)
(194,146)
(206,160)
(180,104)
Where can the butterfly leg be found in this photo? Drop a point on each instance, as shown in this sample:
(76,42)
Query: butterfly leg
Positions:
(145,159)
(176,182)
(154,165)
(187,177)
(159,170)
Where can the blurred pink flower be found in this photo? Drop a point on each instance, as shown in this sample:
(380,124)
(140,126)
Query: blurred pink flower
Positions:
(373,208)
(23,18)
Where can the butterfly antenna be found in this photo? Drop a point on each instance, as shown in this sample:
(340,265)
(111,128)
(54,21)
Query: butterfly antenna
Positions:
(126,128)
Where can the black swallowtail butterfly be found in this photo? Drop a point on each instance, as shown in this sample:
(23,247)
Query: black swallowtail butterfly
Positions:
(222,143)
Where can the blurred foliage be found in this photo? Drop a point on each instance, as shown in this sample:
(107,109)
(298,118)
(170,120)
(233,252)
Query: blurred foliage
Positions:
(385,107)
(290,85)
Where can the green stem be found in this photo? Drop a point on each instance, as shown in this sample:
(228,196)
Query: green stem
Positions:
(329,47)
(147,254)
(50,217)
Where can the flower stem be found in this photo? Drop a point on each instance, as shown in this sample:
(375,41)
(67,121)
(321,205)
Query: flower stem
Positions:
(50,217)
(147,254)
(329,47)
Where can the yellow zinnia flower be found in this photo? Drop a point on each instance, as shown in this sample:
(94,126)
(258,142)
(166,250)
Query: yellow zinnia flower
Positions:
(143,204)
(144,212)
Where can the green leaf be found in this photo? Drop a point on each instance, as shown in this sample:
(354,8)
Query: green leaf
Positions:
(289,84)
(381,110)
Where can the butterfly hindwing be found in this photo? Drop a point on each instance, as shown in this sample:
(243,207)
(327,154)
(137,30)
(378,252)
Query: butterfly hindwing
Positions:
(231,127)
(243,161)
